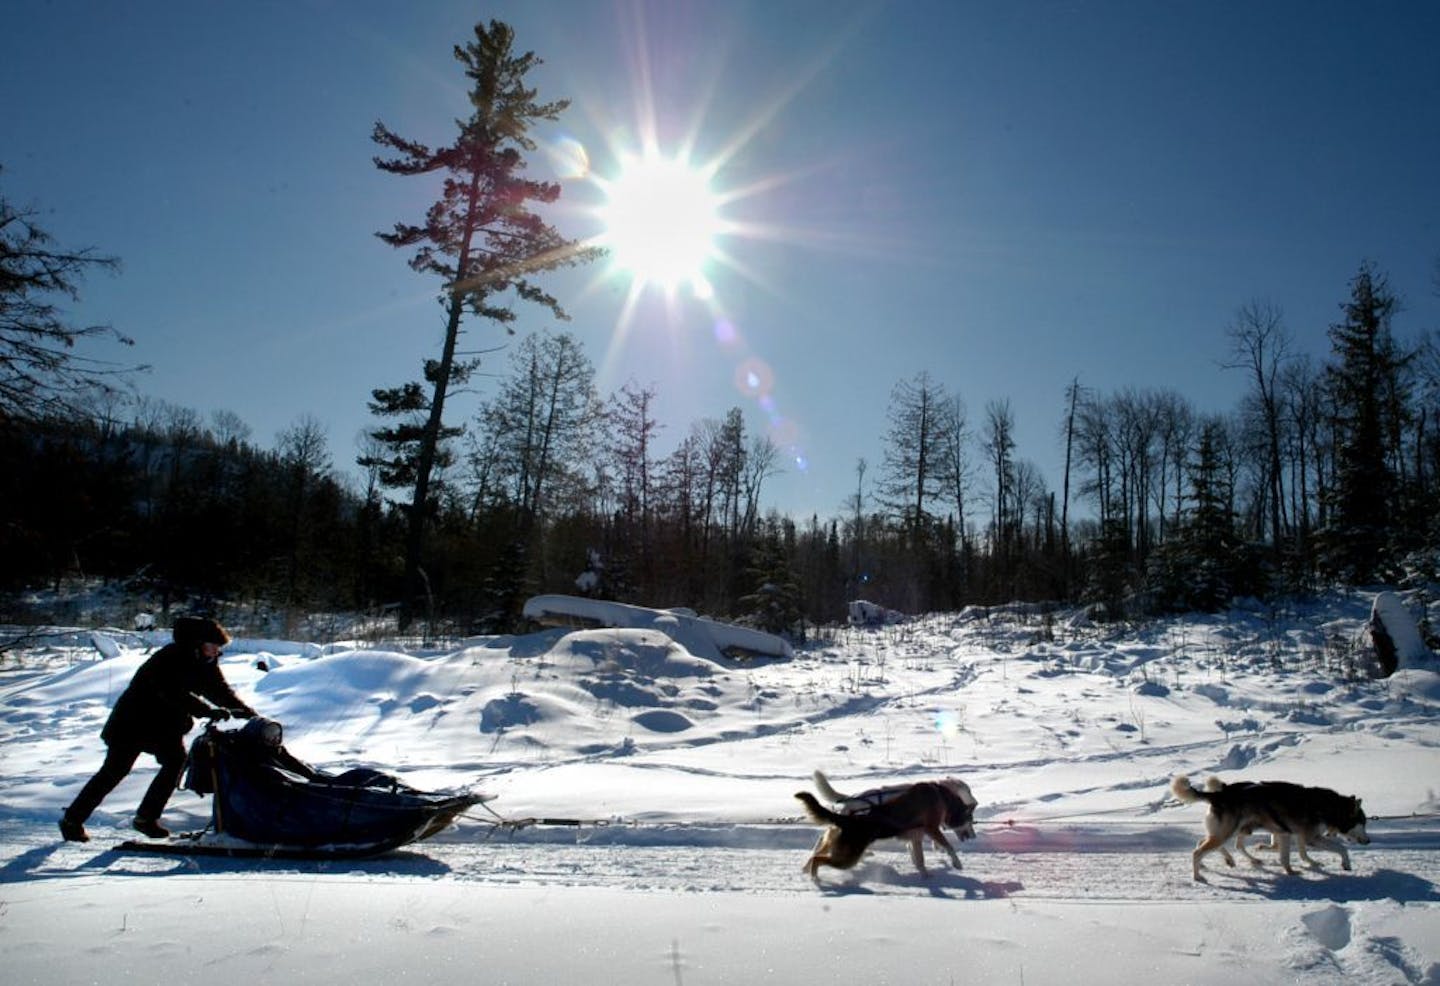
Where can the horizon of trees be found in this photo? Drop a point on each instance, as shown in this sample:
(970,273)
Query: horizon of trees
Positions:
(1324,474)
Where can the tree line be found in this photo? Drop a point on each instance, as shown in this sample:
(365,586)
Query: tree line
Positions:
(1324,473)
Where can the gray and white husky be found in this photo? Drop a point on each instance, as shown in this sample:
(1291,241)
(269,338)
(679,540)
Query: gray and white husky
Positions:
(1311,816)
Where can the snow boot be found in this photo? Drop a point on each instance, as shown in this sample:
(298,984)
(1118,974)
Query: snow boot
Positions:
(73,831)
(150,827)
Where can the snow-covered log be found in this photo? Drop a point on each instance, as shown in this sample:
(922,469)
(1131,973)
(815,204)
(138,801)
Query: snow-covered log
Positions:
(863,613)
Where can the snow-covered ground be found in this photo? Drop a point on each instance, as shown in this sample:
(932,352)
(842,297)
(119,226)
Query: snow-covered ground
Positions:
(686,865)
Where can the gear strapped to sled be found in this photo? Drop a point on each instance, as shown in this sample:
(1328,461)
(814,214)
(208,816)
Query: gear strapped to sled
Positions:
(266,801)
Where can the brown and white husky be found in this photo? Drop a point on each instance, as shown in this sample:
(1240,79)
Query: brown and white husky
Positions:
(900,811)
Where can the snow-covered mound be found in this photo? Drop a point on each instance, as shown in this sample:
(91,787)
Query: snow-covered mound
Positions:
(1396,636)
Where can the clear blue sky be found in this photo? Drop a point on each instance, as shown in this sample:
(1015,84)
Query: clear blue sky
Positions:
(1006,195)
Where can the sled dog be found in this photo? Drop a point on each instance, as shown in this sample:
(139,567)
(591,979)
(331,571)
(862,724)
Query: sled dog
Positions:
(1311,816)
(901,811)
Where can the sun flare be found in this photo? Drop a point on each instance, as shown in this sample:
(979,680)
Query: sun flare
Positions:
(661,220)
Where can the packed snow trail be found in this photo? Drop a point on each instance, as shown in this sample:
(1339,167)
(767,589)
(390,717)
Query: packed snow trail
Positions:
(1058,876)
(1126,862)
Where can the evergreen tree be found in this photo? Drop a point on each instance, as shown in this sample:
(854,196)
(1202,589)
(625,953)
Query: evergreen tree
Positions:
(773,603)
(1360,383)
(1206,564)
(1109,570)
(481,239)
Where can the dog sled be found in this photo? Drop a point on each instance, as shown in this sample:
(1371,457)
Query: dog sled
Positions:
(267,802)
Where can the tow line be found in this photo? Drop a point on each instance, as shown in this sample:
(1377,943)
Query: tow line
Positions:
(498,822)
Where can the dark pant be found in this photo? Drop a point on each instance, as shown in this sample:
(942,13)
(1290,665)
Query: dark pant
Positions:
(119,759)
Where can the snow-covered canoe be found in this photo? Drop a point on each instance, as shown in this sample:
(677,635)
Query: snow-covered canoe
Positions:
(701,636)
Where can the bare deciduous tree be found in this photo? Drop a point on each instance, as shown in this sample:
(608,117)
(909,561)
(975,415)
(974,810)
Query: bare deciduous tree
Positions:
(1260,345)
(914,445)
(999,442)
(41,370)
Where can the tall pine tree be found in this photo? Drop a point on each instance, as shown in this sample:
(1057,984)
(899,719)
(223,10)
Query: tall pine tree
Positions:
(483,241)
(1359,382)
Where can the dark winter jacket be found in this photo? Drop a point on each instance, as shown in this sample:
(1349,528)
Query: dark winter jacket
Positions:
(170,688)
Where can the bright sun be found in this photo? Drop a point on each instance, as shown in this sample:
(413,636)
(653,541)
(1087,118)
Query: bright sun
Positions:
(661,220)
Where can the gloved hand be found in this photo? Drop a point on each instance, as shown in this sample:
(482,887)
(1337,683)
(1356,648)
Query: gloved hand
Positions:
(216,715)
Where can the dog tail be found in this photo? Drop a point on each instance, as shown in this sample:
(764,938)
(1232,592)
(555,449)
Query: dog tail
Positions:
(822,784)
(819,812)
(1181,787)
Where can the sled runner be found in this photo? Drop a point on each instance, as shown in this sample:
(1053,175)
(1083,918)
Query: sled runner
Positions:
(267,802)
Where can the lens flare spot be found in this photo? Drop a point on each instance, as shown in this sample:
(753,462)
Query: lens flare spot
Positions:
(947,723)
(569,158)
(784,432)
(725,332)
(754,378)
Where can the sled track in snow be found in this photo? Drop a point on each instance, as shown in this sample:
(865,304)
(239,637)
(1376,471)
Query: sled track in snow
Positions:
(1096,862)
(1408,875)
(1123,861)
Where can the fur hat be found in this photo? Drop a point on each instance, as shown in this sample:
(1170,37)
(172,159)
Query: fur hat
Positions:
(199,630)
